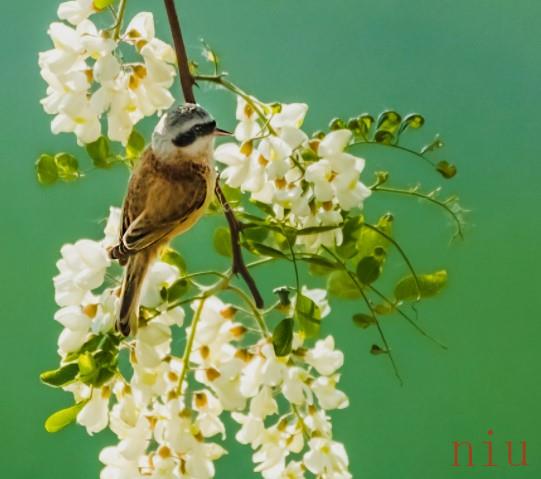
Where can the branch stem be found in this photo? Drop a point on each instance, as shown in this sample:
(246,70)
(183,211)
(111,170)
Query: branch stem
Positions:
(186,79)
(119,18)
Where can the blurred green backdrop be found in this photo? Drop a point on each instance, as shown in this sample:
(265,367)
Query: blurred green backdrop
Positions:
(472,68)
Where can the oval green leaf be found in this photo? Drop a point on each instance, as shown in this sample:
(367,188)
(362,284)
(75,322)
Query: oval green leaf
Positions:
(222,241)
(61,376)
(429,285)
(46,170)
(340,284)
(282,337)
(60,419)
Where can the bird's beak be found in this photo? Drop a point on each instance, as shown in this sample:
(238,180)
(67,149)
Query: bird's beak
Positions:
(220,132)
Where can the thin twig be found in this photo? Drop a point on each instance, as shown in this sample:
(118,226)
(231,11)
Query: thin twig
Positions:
(186,79)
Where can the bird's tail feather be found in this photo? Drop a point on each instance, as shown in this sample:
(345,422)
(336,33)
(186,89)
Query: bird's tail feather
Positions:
(131,289)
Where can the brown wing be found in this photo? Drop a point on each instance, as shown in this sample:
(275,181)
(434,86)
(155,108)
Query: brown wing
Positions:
(172,195)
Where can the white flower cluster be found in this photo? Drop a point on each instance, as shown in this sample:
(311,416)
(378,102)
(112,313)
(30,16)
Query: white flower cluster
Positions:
(309,182)
(87,77)
(168,430)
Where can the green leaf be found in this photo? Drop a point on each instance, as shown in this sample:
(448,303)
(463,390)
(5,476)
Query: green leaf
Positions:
(255,232)
(101,4)
(67,166)
(88,369)
(61,376)
(100,152)
(369,240)
(174,258)
(369,269)
(319,266)
(46,170)
(104,375)
(267,209)
(178,289)
(221,240)
(413,121)
(350,231)
(233,195)
(388,121)
(337,124)
(436,144)
(383,136)
(282,337)
(365,122)
(261,249)
(429,285)
(363,321)
(60,419)
(447,170)
(340,284)
(307,315)
(377,350)
(136,144)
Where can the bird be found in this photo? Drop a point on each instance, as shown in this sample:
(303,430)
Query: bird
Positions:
(169,190)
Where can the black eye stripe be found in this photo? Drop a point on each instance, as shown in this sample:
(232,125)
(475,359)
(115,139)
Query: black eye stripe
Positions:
(188,137)
(184,139)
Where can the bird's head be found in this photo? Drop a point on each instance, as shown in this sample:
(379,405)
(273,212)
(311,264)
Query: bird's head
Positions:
(188,129)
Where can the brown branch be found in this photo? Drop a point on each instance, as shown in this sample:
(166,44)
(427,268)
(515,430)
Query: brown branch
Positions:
(239,267)
(187,82)
(186,79)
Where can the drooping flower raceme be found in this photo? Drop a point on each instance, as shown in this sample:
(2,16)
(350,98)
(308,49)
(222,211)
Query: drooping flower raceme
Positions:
(308,182)
(168,413)
(88,78)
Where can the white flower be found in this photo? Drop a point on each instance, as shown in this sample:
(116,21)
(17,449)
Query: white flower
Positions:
(252,428)
(318,296)
(70,341)
(248,126)
(79,118)
(323,357)
(95,413)
(327,458)
(328,396)
(336,174)
(73,318)
(76,11)
(117,466)
(263,370)
(238,165)
(263,404)
(294,388)
(160,275)
(82,269)
(112,227)
(152,343)
(209,409)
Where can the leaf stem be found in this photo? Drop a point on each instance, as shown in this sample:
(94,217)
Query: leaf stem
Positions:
(189,344)
(407,318)
(372,312)
(221,80)
(402,253)
(426,197)
(396,147)
(256,312)
(119,18)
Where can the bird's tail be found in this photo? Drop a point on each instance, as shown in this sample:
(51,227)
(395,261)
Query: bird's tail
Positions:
(136,269)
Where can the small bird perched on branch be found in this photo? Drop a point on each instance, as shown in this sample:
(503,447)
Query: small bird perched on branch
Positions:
(168,192)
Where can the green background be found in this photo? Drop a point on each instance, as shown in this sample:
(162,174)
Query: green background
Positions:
(472,68)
